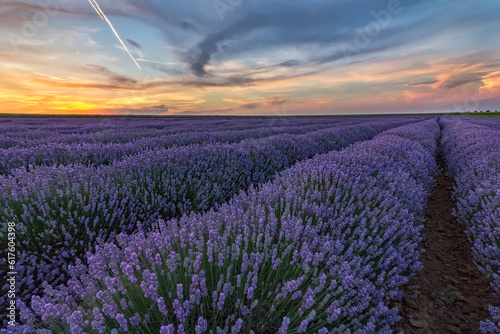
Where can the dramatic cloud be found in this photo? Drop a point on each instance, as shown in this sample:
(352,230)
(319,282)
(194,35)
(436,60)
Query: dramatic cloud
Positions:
(462,79)
(248,57)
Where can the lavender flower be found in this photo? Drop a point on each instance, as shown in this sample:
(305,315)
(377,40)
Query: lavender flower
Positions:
(303,326)
(344,225)
(169,329)
(284,325)
(471,151)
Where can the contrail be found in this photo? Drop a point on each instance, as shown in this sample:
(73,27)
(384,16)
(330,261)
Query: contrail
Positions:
(103,16)
(154,61)
(48,76)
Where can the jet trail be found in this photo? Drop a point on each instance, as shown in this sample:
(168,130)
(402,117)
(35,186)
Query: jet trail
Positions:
(104,17)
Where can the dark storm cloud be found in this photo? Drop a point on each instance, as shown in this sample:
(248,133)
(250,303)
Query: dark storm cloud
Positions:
(324,25)
(324,31)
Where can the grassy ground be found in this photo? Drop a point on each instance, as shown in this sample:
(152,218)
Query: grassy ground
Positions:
(482,114)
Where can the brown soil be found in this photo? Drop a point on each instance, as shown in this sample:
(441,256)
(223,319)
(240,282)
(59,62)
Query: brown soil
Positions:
(453,296)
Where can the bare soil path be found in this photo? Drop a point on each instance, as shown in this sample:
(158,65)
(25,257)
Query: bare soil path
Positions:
(454,295)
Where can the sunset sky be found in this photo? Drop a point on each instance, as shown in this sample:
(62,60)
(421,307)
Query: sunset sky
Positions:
(248,57)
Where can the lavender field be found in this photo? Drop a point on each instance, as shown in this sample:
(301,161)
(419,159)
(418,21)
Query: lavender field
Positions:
(236,225)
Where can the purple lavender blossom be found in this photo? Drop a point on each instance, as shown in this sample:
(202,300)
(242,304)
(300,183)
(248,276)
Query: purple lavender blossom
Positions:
(202,325)
(284,325)
(169,329)
(303,326)
(471,151)
(352,217)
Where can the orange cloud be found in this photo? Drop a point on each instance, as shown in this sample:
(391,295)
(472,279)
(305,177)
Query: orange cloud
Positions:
(491,85)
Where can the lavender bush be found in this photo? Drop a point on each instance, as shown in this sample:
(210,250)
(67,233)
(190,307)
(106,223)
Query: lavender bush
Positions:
(493,122)
(321,249)
(91,144)
(51,154)
(35,132)
(29,132)
(64,210)
(472,154)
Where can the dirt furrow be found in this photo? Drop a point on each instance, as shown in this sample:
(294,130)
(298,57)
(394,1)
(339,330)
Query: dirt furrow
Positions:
(453,295)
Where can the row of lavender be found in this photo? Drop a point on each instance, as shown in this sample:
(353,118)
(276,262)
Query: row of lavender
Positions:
(472,154)
(24,126)
(493,122)
(120,142)
(322,249)
(61,211)
(27,133)
(106,153)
